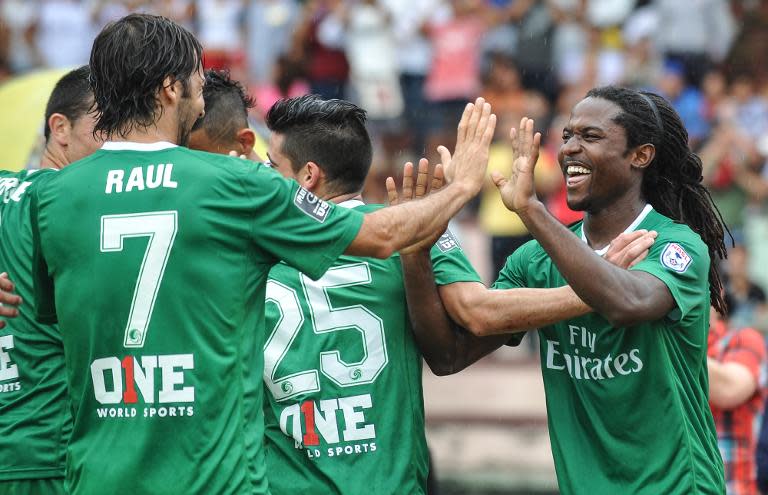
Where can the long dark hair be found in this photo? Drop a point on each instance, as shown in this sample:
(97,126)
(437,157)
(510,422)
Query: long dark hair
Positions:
(672,182)
(130,60)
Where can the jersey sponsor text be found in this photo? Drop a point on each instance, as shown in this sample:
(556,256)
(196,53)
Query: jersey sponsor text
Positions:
(121,382)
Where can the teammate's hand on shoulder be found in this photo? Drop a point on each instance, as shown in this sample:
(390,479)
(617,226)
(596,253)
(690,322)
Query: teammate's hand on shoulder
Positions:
(630,248)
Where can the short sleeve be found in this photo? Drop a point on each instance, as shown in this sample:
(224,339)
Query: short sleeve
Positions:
(512,276)
(293,225)
(680,260)
(449,263)
(45,301)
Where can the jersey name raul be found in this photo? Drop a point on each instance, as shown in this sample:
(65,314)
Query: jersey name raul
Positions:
(140,178)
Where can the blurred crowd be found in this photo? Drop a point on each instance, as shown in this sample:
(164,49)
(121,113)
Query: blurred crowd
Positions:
(412,64)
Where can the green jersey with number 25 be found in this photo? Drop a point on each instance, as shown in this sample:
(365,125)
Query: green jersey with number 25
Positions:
(344,409)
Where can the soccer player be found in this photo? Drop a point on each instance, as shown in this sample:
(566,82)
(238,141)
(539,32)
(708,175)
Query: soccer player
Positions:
(154,259)
(34,413)
(344,404)
(626,386)
(224,128)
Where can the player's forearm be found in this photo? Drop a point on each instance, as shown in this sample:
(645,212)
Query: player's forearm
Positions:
(489,312)
(730,384)
(446,348)
(391,229)
(622,296)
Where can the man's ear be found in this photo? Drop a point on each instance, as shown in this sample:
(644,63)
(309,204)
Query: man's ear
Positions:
(171,89)
(246,138)
(643,155)
(311,176)
(60,127)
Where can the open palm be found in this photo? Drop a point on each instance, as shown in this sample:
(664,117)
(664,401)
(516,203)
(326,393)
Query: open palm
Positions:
(518,191)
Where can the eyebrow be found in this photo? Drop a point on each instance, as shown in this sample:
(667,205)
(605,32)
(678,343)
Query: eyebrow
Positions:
(583,130)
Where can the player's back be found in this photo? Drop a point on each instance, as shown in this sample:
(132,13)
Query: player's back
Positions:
(159,256)
(344,409)
(34,414)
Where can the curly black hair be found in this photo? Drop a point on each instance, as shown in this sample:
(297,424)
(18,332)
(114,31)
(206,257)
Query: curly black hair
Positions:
(672,181)
(130,60)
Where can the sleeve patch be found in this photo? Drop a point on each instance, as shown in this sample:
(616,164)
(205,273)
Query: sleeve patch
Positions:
(447,242)
(311,205)
(675,258)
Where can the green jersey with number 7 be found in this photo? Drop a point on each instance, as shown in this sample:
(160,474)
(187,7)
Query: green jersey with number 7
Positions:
(154,261)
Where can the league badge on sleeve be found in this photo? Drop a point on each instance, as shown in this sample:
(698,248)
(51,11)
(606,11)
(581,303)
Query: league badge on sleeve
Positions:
(311,205)
(675,258)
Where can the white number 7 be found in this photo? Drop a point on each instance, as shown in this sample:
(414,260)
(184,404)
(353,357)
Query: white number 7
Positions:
(160,227)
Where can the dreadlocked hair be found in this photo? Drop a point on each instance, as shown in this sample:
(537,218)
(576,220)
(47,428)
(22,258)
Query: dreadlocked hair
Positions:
(672,181)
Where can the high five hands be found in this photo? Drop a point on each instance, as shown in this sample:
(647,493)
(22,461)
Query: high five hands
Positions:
(518,191)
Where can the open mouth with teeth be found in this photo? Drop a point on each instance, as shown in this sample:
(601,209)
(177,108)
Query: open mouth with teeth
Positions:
(576,174)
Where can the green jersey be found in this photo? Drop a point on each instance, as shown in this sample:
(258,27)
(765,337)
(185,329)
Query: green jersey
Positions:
(627,407)
(154,260)
(34,417)
(344,411)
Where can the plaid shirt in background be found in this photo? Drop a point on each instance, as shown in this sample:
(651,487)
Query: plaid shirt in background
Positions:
(737,429)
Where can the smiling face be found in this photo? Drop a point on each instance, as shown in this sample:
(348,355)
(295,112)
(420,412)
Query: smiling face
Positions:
(598,168)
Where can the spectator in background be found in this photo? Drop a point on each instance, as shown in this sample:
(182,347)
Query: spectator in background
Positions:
(269,27)
(456,34)
(287,82)
(746,300)
(17,18)
(219,28)
(326,65)
(414,52)
(694,33)
(686,99)
(63,33)
(736,361)
(363,29)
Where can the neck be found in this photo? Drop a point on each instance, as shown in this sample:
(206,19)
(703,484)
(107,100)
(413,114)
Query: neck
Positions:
(165,128)
(53,158)
(601,227)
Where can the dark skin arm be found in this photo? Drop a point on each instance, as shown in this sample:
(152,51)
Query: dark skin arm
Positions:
(455,325)
(621,296)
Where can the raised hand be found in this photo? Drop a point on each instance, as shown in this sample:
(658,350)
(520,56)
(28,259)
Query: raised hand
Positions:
(408,192)
(473,140)
(518,191)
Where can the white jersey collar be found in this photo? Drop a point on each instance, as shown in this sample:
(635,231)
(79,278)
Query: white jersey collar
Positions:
(351,203)
(632,226)
(132,146)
